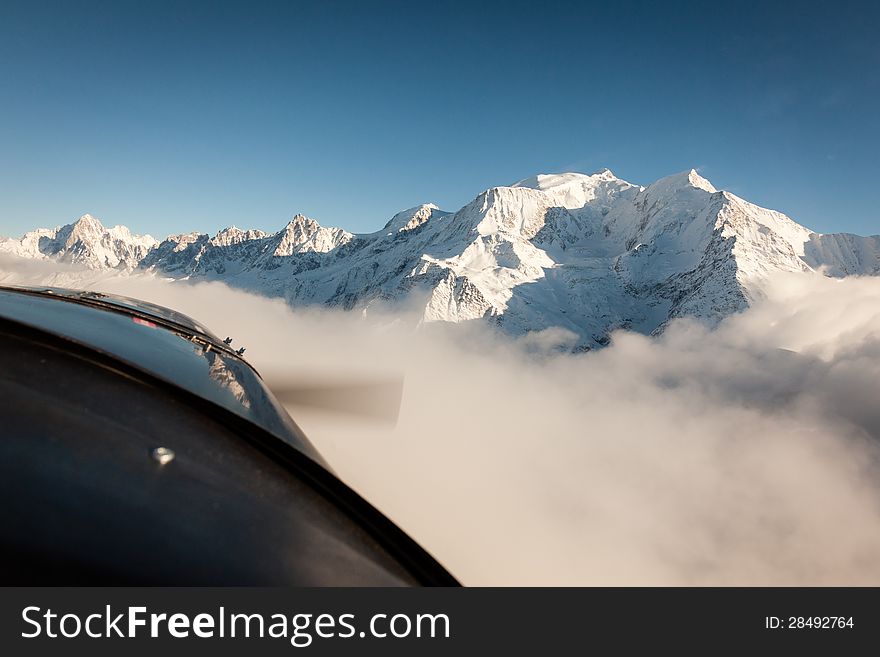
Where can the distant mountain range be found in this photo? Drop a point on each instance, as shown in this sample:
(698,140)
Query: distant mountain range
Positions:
(588,253)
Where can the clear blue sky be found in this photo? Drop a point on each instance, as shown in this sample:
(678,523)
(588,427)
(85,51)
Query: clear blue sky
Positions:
(187,116)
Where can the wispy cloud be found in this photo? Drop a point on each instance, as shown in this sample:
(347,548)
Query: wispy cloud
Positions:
(744,455)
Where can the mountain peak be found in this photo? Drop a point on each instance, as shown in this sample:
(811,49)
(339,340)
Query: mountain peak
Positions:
(411,217)
(680,181)
(85,241)
(550,181)
(86,229)
(302,234)
(300,220)
(696,180)
(88,221)
(589,253)
(604,174)
(235,235)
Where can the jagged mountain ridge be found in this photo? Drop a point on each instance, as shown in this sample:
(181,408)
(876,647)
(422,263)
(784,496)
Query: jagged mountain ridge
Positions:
(86,241)
(588,253)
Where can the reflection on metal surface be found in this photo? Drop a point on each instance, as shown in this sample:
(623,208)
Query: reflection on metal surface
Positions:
(223,374)
(175,356)
(124,304)
(163,455)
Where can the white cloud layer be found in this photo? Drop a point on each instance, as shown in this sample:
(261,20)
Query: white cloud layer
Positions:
(747,455)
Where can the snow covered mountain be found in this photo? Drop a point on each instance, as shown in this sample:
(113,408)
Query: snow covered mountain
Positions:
(86,242)
(588,253)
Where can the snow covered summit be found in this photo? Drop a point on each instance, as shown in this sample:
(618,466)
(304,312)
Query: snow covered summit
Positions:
(85,241)
(588,253)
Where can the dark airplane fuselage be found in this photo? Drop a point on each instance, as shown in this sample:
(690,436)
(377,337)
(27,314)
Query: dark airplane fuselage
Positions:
(138,448)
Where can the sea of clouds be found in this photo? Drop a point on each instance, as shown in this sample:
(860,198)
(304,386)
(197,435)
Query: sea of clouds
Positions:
(743,455)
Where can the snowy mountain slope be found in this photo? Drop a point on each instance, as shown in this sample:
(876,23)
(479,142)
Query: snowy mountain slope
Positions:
(86,242)
(588,253)
(234,251)
(844,254)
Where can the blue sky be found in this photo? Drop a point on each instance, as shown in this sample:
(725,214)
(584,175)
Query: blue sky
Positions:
(187,116)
